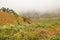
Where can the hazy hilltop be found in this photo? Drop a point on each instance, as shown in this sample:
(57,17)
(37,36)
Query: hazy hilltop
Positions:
(53,13)
(38,14)
(32,14)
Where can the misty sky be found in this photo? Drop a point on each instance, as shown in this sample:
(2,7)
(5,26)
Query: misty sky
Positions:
(23,5)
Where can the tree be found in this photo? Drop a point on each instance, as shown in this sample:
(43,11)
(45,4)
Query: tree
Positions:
(7,10)
(3,9)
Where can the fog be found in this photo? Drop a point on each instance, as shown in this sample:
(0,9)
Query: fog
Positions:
(30,5)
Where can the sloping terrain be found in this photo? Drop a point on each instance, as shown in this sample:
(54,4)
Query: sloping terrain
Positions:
(7,18)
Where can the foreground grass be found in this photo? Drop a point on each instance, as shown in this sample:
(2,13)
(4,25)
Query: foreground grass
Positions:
(22,32)
(45,30)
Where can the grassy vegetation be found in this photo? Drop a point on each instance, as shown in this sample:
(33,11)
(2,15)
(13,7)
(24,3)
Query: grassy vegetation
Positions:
(22,32)
(48,22)
(46,29)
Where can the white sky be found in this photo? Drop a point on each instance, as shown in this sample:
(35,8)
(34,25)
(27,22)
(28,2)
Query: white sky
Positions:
(23,5)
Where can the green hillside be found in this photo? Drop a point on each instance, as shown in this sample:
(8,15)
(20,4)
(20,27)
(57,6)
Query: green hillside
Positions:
(15,27)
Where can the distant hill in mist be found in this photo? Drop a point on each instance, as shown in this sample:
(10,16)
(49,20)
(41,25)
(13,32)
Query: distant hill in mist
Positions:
(54,13)
(37,14)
